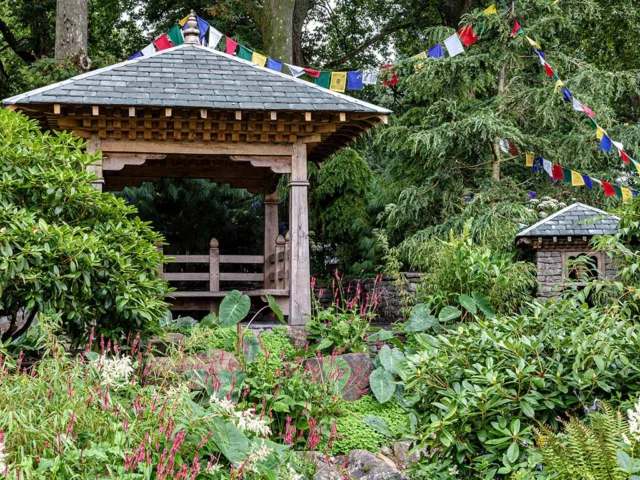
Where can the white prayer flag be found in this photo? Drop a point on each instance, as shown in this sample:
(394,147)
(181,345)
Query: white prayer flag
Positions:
(295,71)
(504,145)
(454,45)
(548,167)
(577,105)
(214,37)
(148,50)
(619,146)
(370,77)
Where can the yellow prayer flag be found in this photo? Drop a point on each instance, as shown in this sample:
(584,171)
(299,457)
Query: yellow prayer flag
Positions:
(419,56)
(576,179)
(637,165)
(530,157)
(258,59)
(492,10)
(338,81)
(599,133)
(626,193)
(534,43)
(183,21)
(558,85)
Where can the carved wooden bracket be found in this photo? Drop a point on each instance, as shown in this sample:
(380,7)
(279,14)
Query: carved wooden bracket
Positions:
(277,164)
(117,161)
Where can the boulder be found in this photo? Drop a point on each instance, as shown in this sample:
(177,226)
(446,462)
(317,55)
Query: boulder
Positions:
(325,468)
(214,360)
(401,453)
(363,465)
(360,365)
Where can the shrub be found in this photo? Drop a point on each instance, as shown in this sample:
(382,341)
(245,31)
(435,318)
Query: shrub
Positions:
(66,247)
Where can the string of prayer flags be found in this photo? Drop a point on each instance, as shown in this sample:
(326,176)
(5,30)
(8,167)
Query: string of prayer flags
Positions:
(162,42)
(175,35)
(245,53)
(324,79)
(148,50)
(454,45)
(354,80)
(274,65)
(295,71)
(214,37)
(259,59)
(467,35)
(311,72)
(516,30)
(230,46)
(436,52)
(338,81)
(491,10)
(388,82)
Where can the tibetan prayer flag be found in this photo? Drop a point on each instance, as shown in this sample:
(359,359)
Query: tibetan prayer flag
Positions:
(626,193)
(605,143)
(530,157)
(203,26)
(354,80)
(338,81)
(513,150)
(436,52)
(504,145)
(137,55)
(491,10)
(566,175)
(587,181)
(148,50)
(577,106)
(558,85)
(588,111)
(618,145)
(548,70)
(634,193)
(214,37)
(556,173)
(516,30)
(419,56)
(599,133)
(274,65)
(637,165)
(370,77)
(548,167)
(538,164)
(295,71)
(324,79)
(467,35)
(389,82)
(183,22)
(245,54)
(567,94)
(454,45)
(313,73)
(576,179)
(625,157)
(175,35)
(162,42)
(541,56)
(618,191)
(534,43)
(608,189)
(259,59)
(230,46)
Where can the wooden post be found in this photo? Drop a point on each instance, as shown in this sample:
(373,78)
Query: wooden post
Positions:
(270,235)
(286,263)
(214,266)
(93,146)
(279,268)
(300,265)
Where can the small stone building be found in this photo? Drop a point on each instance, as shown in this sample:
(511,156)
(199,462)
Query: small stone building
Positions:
(564,236)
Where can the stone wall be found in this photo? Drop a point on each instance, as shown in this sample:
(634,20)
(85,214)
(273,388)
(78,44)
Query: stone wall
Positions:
(391,297)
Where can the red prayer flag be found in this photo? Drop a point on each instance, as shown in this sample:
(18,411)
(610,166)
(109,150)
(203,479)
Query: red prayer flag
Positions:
(588,111)
(393,80)
(548,70)
(513,150)
(625,157)
(230,46)
(515,30)
(557,173)
(313,73)
(609,191)
(467,35)
(163,42)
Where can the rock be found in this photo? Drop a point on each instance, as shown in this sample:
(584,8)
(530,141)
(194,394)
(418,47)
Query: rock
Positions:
(386,451)
(325,468)
(401,451)
(214,361)
(297,335)
(363,465)
(160,344)
(361,367)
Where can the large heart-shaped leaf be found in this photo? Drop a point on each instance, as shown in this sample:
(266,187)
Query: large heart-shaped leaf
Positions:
(483,304)
(382,384)
(449,313)
(390,359)
(251,349)
(275,308)
(468,304)
(420,319)
(231,442)
(233,308)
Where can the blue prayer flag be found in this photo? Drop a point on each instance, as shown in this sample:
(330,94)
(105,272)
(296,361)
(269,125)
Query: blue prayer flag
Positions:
(354,80)
(203,26)
(605,143)
(137,55)
(587,181)
(634,193)
(436,52)
(567,94)
(274,65)
(538,164)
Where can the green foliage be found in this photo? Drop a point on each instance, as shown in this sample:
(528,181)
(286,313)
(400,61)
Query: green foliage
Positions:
(66,247)
(334,329)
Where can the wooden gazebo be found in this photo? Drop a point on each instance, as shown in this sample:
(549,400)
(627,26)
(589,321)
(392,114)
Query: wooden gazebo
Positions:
(194,112)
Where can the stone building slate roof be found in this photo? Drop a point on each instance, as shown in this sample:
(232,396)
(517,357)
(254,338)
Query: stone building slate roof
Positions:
(574,221)
(197,77)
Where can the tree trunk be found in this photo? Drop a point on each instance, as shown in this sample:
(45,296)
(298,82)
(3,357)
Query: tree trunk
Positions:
(300,14)
(452,10)
(276,25)
(71,30)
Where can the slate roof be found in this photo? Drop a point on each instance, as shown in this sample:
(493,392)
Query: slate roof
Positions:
(573,221)
(197,77)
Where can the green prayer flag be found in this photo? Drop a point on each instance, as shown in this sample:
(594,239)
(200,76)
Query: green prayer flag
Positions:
(175,35)
(566,174)
(245,54)
(618,191)
(324,80)
(594,124)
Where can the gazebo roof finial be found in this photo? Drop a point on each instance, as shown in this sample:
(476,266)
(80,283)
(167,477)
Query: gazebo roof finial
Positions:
(192,34)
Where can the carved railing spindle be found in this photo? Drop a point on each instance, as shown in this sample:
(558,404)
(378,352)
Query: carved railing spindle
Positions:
(287,261)
(214,266)
(278,268)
